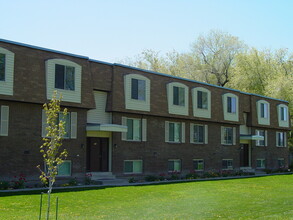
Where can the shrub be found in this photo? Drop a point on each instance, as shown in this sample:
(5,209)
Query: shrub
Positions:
(88,179)
(131,180)
(151,178)
(192,175)
(4,185)
(19,182)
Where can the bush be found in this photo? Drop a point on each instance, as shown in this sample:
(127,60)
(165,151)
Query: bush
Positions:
(151,178)
(191,175)
(19,182)
(131,180)
(4,185)
(88,179)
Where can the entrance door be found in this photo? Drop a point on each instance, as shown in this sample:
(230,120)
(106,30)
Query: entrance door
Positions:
(98,155)
(244,155)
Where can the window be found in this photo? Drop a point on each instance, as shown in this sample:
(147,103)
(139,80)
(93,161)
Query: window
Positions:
(4,120)
(281,162)
(202,100)
(281,139)
(174,165)
(198,164)
(2,67)
(70,125)
(228,135)
(198,134)
(64,77)
(64,169)
(6,72)
(227,164)
(231,105)
(261,142)
(261,163)
(137,92)
(178,96)
(132,166)
(134,129)
(264,110)
(138,87)
(284,113)
(174,132)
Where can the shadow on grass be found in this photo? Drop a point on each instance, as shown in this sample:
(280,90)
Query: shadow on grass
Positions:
(101,187)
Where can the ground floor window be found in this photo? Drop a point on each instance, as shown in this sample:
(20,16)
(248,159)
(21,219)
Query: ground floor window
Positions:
(64,169)
(281,162)
(132,166)
(174,165)
(227,164)
(198,164)
(261,163)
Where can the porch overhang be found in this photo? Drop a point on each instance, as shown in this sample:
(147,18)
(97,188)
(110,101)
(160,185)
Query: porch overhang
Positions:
(106,127)
(251,137)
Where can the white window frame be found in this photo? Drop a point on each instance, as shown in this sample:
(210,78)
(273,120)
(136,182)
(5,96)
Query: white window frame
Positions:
(283,122)
(198,161)
(136,104)
(263,120)
(174,161)
(230,116)
(265,135)
(224,141)
(284,136)
(201,112)
(181,134)
(262,162)
(177,109)
(133,172)
(6,86)
(143,129)
(228,167)
(205,133)
(4,120)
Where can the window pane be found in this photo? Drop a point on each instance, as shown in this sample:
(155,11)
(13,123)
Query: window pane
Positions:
(181,96)
(283,114)
(64,169)
(281,163)
(134,88)
(136,129)
(175,95)
(229,104)
(205,100)
(228,135)
(264,110)
(170,165)
(177,165)
(129,129)
(69,83)
(177,132)
(2,67)
(128,166)
(233,104)
(198,164)
(199,99)
(224,164)
(198,133)
(171,131)
(137,166)
(66,120)
(59,76)
(141,90)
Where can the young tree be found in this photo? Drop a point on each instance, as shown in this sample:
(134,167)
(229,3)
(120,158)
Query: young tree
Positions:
(51,148)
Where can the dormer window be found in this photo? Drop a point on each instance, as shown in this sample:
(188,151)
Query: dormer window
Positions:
(2,67)
(202,100)
(263,112)
(283,115)
(231,105)
(138,88)
(64,77)
(178,96)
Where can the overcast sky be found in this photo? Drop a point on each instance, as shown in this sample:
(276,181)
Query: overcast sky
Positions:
(110,31)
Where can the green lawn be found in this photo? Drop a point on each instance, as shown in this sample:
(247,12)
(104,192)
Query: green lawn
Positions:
(264,197)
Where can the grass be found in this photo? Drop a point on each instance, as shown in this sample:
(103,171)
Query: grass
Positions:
(268,197)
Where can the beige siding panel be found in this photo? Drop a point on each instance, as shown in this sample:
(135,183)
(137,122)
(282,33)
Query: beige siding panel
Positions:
(183,132)
(266,138)
(73,123)
(144,129)
(166,131)
(6,87)
(206,134)
(124,123)
(99,114)
(4,120)
(222,135)
(191,132)
(234,136)
(67,95)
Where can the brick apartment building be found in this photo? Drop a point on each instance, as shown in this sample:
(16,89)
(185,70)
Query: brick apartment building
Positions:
(126,121)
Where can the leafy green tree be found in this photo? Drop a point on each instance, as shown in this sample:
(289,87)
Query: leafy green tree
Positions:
(51,150)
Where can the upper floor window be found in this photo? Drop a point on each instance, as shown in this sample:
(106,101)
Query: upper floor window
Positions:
(264,141)
(283,115)
(4,120)
(201,98)
(2,67)
(263,112)
(136,129)
(174,132)
(230,107)
(198,134)
(177,98)
(137,92)
(138,89)
(228,135)
(6,72)
(281,139)
(64,77)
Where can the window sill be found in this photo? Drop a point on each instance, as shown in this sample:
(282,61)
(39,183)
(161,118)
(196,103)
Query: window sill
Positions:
(173,142)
